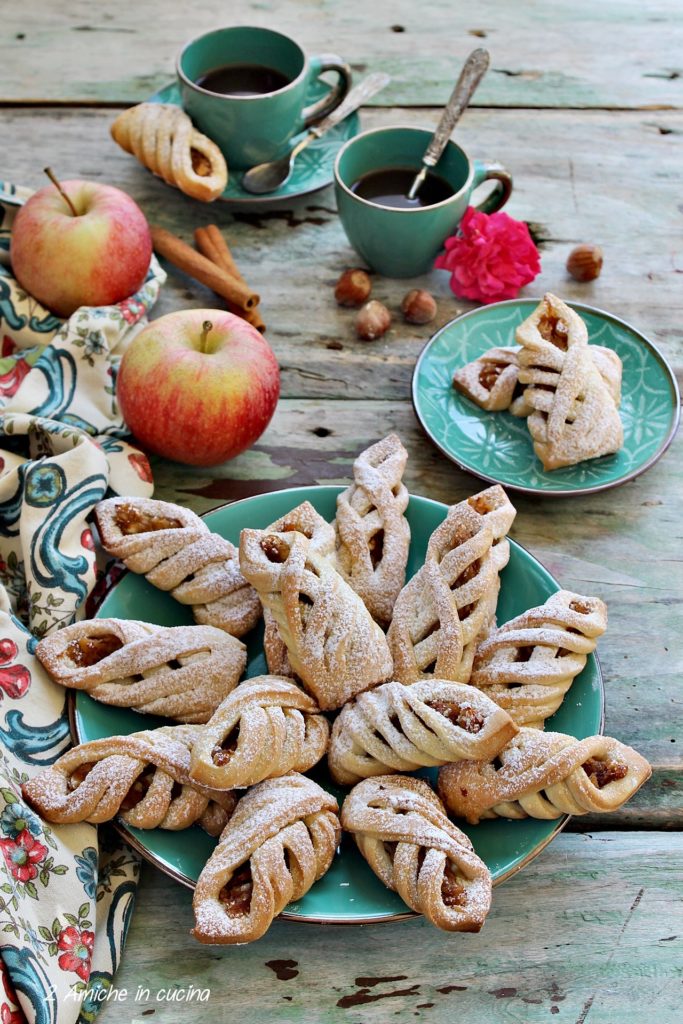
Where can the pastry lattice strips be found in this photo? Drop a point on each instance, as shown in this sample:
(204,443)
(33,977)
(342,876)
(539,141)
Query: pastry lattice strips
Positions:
(162,137)
(492,380)
(180,672)
(451,601)
(334,646)
(280,840)
(573,415)
(302,519)
(373,533)
(527,665)
(143,778)
(265,728)
(402,831)
(177,552)
(545,775)
(400,728)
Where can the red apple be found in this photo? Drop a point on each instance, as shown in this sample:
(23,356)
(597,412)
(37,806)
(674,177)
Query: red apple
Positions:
(95,258)
(198,386)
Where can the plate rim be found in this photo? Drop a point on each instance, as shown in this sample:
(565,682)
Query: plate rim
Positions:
(538,492)
(250,199)
(184,880)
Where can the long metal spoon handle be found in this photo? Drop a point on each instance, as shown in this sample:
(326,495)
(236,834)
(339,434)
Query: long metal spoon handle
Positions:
(356,98)
(471,75)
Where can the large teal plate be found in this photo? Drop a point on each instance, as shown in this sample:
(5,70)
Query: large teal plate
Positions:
(313,169)
(349,893)
(497,446)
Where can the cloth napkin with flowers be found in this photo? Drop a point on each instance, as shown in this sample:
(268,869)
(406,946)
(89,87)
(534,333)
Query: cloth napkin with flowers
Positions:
(66,893)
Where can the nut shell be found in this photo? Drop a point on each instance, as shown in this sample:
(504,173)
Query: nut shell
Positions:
(373,320)
(419,306)
(353,288)
(584,262)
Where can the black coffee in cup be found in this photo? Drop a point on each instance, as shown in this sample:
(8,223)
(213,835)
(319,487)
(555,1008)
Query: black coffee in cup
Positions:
(389,186)
(243,80)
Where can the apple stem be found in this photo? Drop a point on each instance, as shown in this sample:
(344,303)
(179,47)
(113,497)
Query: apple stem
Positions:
(55,181)
(203,341)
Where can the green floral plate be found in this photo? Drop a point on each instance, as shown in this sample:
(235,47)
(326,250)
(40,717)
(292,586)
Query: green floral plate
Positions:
(313,170)
(497,446)
(349,893)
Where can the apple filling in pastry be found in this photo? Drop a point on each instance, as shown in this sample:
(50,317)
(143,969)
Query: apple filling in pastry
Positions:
(235,896)
(90,650)
(465,717)
(131,520)
(544,775)
(222,752)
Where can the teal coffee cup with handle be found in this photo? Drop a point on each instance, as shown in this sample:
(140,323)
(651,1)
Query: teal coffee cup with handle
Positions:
(251,128)
(405,242)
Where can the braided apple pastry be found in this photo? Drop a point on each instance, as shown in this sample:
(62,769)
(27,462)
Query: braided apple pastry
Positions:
(302,519)
(280,840)
(402,831)
(544,775)
(143,778)
(527,665)
(177,552)
(573,415)
(373,533)
(450,603)
(181,672)
(334,646)
(162,137)
(491,380)
(400,728)
(265,728)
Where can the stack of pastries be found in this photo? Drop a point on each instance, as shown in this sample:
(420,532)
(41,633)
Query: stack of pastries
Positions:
(418,673)
(568,391)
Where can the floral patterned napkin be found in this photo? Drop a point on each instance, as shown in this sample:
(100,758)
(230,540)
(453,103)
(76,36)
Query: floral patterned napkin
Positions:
(66,893)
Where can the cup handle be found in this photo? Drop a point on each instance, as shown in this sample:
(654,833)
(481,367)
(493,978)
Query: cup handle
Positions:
(325,106)
(501,194)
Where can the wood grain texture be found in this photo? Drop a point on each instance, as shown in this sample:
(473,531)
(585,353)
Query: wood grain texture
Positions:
(550,54)
(616,181)
(589,933)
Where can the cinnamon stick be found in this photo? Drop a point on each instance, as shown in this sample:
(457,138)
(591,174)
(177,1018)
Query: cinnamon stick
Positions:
(187,259)
(212,244)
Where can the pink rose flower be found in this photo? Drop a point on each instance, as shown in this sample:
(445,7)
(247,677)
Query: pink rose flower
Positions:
(491,257)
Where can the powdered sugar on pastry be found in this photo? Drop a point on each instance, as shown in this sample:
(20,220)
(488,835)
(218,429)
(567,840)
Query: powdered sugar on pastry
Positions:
(545,775)
(334,646)
(573,415)
(527,665)
(401,728)
(175,550)
(266,727)
(281,838)
(373,535)
(450,603)
(402,831)
(181,672)
(144,778)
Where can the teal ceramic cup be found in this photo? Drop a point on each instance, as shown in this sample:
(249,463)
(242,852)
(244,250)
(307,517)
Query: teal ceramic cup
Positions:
(404,243)
(252,129)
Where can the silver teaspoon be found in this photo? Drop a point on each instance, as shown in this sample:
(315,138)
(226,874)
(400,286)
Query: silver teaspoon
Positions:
(471,75)
(269,176)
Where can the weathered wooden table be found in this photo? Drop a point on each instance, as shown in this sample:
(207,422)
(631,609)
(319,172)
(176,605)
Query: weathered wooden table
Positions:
(583,104)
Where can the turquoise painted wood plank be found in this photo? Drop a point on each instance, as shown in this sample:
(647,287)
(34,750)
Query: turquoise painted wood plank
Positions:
(588,933)
(553,53)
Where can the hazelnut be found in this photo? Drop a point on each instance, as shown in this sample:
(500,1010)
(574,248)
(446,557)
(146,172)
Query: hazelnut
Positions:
(584,262)
(418,306)
(353,288)
(373,320)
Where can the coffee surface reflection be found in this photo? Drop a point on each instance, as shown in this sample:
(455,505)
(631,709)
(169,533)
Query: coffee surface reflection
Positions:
(390,186)
(243,80)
